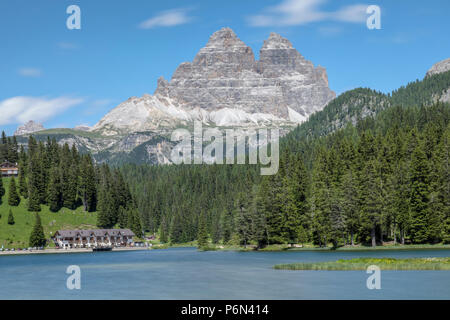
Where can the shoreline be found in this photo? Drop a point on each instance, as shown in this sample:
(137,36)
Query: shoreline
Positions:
(285,248)
(275,248)
(64,251)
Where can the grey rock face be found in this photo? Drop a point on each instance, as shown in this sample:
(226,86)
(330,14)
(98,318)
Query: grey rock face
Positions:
(225,75)
(439,67)
(225,86)
(29,127)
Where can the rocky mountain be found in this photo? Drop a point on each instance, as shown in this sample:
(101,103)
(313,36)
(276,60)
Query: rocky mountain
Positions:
(29,127)
(440,67)
(225,86)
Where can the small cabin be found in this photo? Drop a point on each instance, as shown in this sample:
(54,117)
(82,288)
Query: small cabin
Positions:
(9,169)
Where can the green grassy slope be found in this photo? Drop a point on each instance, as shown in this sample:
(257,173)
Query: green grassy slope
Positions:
(17,235)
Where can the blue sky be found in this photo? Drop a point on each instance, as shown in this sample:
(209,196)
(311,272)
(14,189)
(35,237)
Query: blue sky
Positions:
(65,78)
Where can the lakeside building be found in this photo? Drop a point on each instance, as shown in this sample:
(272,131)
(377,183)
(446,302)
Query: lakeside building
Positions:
(9,169)
(96,238)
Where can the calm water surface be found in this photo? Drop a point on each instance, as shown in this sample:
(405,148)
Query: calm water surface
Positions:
(185,273)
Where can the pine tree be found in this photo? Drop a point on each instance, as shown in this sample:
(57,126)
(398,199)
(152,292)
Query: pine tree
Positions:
(69,190)
(54,190)
(33,180)
(272,188)
(2,188)
(202,235)
(321,199)
(105,204)
(260,232)
(302,235)
(88,184)
(37,237)
(11,218)
(176,230)
(350,202)
(134,222)
(23,187)
(13,155)
(164,231)
(419,202)
(295,187)
(227,224)
(244,219)
(123,218)
(3,148)
(13,197)
(371,203)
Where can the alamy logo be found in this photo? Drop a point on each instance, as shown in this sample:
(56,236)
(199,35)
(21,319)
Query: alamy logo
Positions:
(374,281)
(239,145)
(374,20)
(74,20)
(74,280)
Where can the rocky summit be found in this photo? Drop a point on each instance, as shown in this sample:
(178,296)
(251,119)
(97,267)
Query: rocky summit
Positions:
(225,86)
(440,67)
(29,127)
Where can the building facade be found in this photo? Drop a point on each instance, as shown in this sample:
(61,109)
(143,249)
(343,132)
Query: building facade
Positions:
(9,169)
(97,238)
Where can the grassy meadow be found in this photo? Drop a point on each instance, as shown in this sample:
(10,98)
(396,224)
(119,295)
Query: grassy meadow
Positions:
(17,235)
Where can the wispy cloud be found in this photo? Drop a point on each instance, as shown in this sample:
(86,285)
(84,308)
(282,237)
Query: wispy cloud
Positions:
(301,12)
(30,72)
(167,18)
(18,110)
(67,45)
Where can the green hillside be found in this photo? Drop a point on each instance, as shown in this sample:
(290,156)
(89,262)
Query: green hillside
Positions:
(17,235)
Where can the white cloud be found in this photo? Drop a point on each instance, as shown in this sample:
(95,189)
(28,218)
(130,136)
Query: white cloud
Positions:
(18,110)
(301,12)
(167,18)
(30,72)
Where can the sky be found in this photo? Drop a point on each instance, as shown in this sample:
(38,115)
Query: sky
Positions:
(67,77)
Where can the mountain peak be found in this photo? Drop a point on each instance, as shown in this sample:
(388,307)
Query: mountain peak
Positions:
(224,85)
(441,66)
(29,127)
(224,38)
(276,41)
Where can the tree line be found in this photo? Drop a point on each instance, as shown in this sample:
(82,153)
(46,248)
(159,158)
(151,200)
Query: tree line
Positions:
(386,179)
(60,177)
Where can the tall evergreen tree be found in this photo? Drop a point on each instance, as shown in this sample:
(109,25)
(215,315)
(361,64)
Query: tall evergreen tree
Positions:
(23,187)
(371,203)
(2,189)
(54,190)
(202,236)
(13,196)
(350,204)
(134,222)
(88,189)
(419,202)
(37,237)
(295,192)
(244,219)
(34,175)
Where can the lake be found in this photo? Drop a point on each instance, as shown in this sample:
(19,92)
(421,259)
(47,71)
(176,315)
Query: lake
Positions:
(185,273)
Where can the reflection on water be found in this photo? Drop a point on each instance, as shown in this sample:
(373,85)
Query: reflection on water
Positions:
(184,273)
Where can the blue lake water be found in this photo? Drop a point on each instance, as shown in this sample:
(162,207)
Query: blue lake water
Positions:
(185,273)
